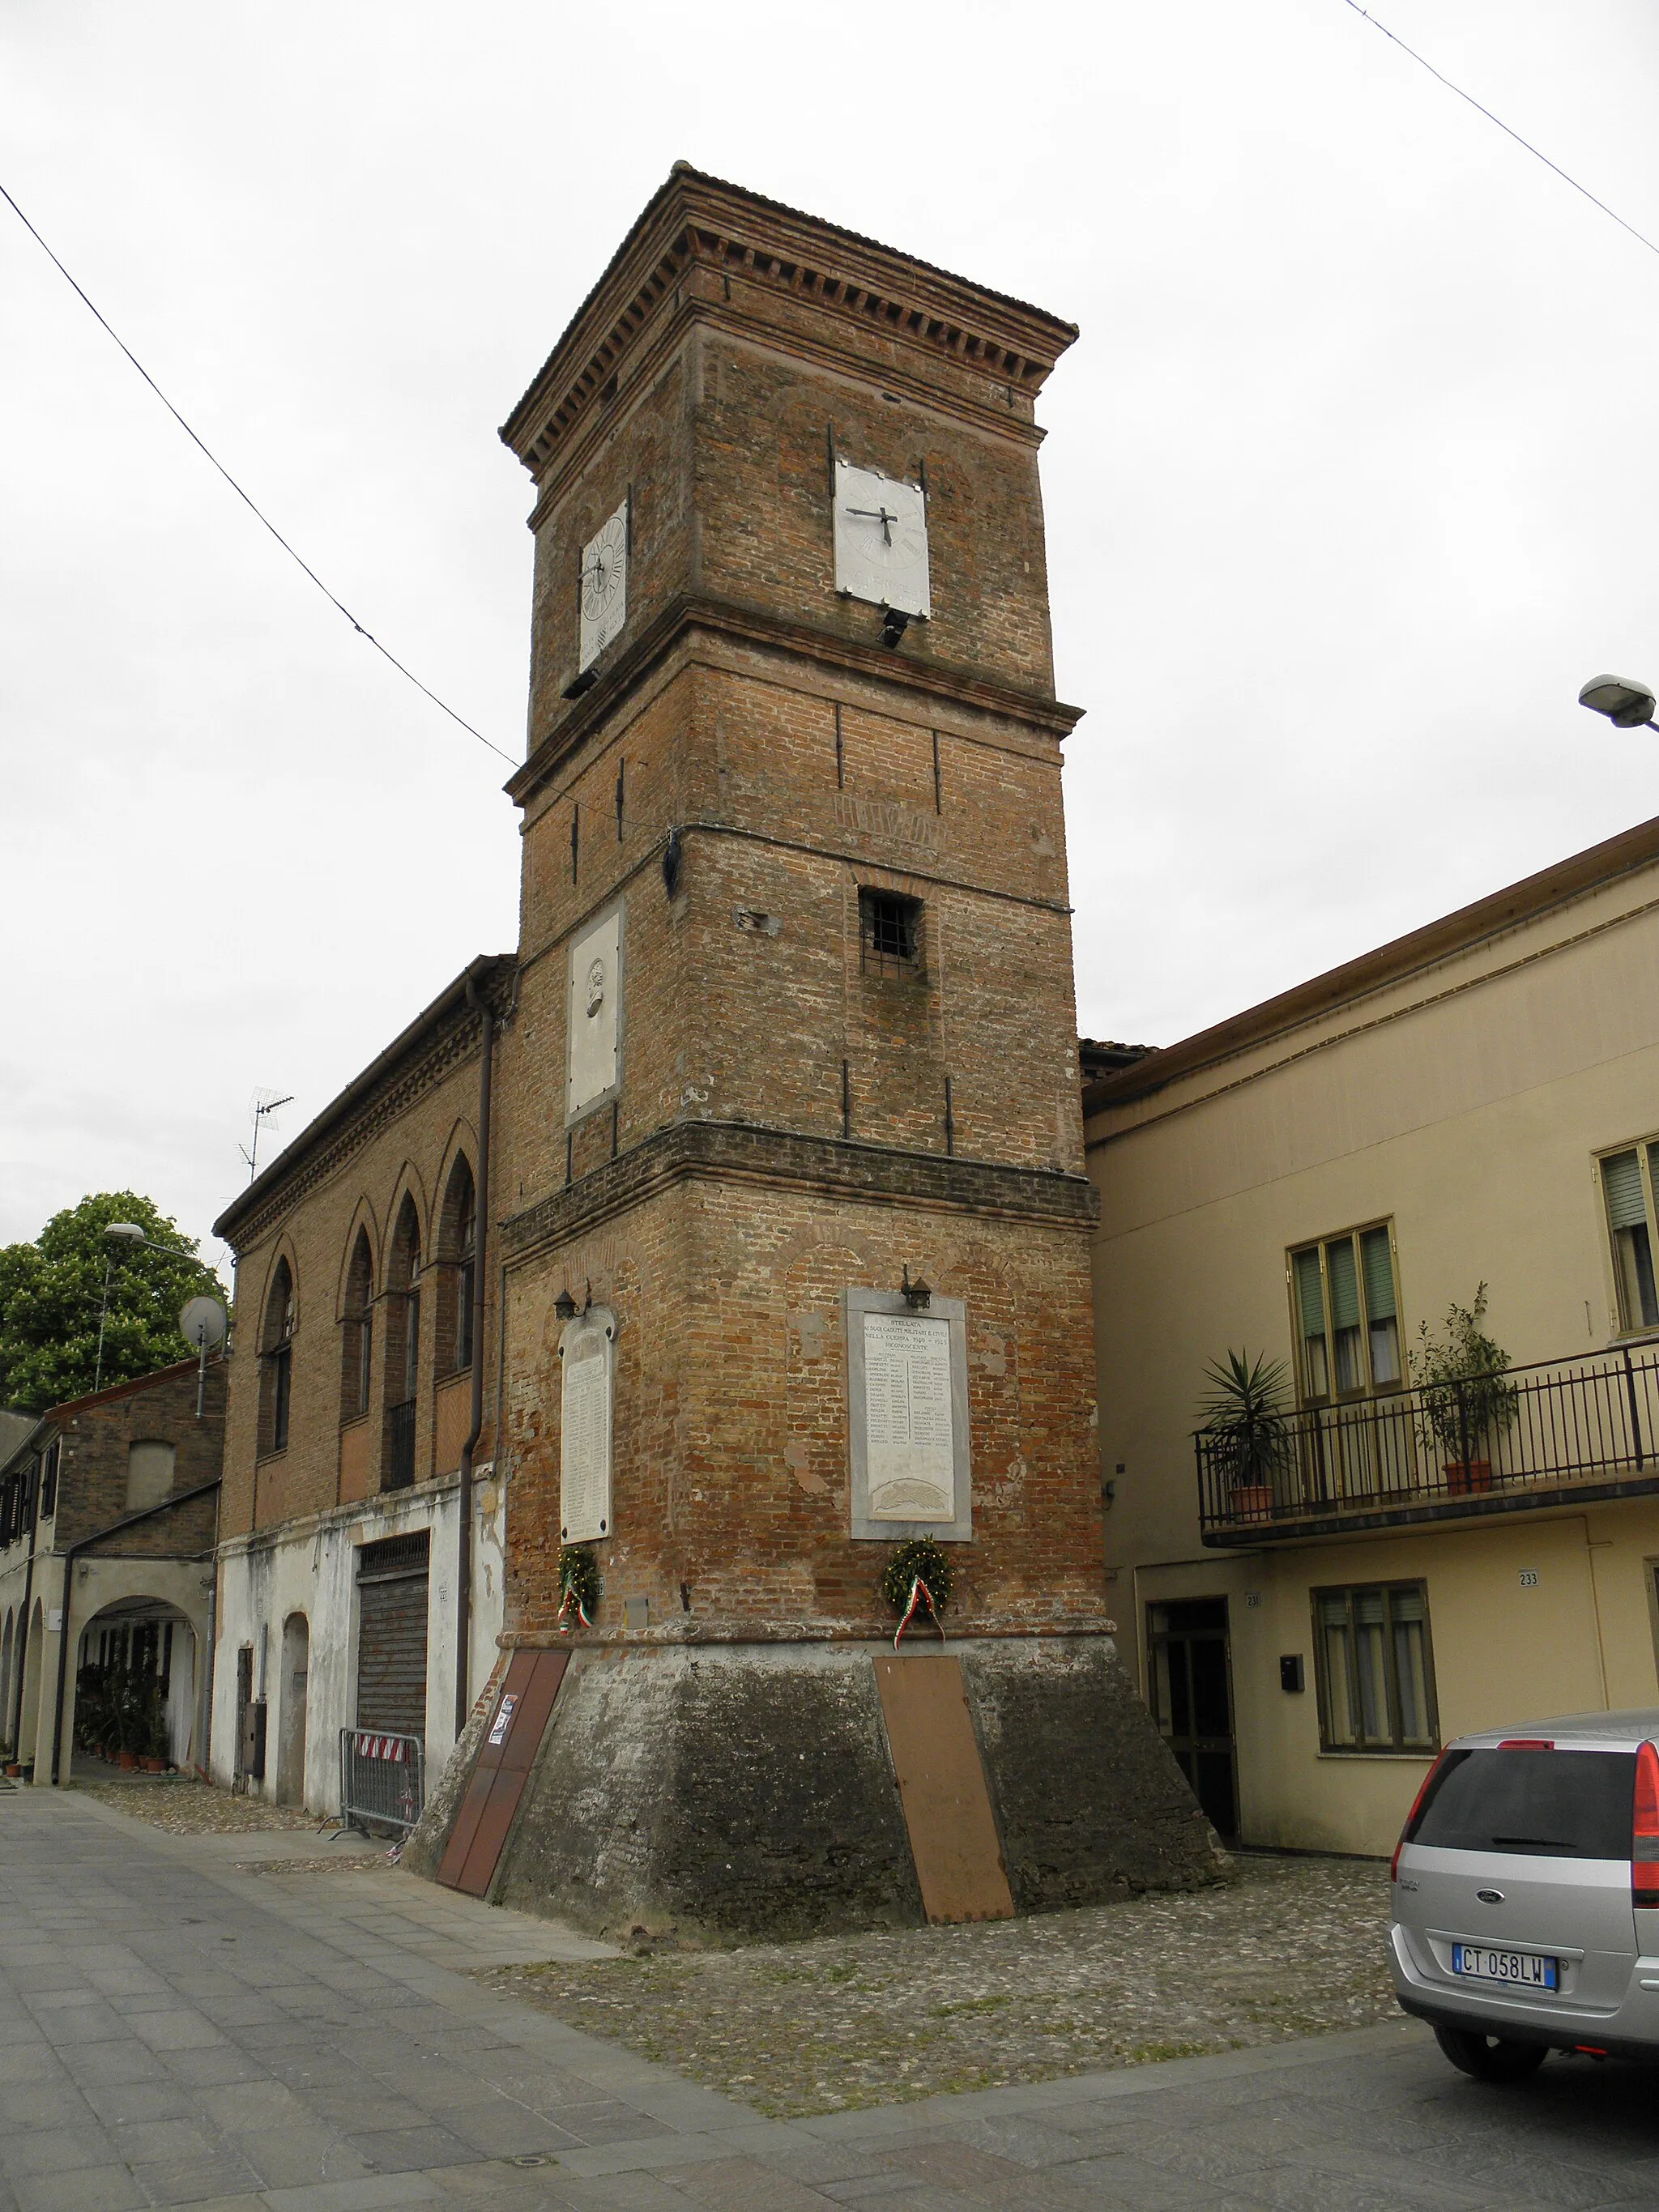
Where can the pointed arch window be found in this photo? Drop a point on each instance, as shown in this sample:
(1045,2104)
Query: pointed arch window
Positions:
(276,1361)
(458,1250)
(403,1359)
(357,1336)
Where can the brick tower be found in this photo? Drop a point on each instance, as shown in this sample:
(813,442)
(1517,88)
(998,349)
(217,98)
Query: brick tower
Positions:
(794,1229)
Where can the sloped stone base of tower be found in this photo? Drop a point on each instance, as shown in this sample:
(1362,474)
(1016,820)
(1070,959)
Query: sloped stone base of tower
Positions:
(748,1790)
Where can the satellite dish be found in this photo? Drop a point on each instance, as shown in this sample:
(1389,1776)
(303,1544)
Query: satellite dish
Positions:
(203,1323)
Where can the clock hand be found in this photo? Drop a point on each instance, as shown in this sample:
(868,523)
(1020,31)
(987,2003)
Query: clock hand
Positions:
(878,514)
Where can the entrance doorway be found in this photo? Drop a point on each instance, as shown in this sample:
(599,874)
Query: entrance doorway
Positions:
(1190,1676)
(291,1738)
(392,1604)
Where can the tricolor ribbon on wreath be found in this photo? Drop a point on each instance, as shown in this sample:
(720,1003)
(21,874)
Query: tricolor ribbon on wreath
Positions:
(919,1594)
(570,1599)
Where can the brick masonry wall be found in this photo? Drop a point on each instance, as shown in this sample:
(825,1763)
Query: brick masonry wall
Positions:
(731,1457)
(406,1142)
(727,1022)
(96,1437)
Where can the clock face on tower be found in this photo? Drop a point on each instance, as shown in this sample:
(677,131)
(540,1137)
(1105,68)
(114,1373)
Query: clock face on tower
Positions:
(881,539)
(604,588)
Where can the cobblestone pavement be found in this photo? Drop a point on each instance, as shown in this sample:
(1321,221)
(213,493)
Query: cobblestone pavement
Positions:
(175,2031)
(184,1807)
(1290,1947)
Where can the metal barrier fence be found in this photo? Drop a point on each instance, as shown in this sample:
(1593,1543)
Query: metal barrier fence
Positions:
(382,1777)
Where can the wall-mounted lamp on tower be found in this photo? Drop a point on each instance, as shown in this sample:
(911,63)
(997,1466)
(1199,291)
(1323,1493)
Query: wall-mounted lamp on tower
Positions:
(894,624)
(917,1295)
(565,1306)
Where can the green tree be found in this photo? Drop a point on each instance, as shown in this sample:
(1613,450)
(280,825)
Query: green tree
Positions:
(51,1293)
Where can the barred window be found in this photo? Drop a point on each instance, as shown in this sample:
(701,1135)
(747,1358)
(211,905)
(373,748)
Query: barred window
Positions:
(1376,1668)
(890,934)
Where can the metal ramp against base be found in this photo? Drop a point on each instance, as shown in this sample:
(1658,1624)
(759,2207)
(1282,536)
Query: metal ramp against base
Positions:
(942,1788)
(505,1758)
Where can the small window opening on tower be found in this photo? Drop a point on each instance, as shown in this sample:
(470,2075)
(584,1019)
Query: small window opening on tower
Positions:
(890,934)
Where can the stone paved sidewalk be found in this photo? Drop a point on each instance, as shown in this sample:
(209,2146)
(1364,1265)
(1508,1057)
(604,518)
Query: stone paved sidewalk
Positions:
(1289,1947)
(174,2032)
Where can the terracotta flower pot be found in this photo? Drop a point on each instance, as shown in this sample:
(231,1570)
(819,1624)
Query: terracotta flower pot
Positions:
(154,1765)
(1465,1475)
(1251,1501)
(13,1769)
(129,1762)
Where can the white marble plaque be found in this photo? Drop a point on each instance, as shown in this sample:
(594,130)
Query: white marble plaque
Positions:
(586,1350)
(593,1023)
(910,1448)
(909,1462)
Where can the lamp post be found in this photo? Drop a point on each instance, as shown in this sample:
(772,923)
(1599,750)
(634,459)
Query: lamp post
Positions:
(115,1232)
(1628,706)
(128,1233)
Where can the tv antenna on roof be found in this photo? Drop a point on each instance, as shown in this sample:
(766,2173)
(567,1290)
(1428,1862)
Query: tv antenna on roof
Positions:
(263,1107)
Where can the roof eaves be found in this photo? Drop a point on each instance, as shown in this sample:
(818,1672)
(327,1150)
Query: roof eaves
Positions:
(345,1101)
(1402,956)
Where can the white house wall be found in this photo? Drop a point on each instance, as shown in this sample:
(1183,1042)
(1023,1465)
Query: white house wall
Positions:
(310,1566)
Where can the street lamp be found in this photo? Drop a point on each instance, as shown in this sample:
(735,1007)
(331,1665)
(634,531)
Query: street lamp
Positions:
(115,1232)
(128,1233)
(1628,706)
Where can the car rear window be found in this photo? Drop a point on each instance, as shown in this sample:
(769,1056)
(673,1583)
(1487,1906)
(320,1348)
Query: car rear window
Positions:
(1556,1804)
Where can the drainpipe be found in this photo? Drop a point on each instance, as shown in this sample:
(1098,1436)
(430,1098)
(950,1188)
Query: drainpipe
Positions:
(115,1529)
(18,1656)
(480,1252)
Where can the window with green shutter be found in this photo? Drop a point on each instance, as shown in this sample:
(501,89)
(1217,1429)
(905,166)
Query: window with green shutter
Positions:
(1629,1197)
(1375,1668)
(1346,1309)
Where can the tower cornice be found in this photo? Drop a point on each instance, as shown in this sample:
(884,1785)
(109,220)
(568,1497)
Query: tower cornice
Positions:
(753,262)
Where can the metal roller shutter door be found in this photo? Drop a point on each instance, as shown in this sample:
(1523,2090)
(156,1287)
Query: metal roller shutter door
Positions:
(391,1593)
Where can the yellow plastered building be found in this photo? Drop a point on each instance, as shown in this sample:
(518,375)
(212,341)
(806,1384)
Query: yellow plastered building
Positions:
(1313,1181)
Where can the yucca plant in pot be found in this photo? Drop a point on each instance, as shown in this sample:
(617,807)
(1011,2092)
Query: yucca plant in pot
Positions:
(1246,1424)
(1465,1395)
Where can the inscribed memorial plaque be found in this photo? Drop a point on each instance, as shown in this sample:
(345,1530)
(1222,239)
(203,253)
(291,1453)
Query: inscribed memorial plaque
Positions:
(586,1350)
(593,1023)
(910,1451)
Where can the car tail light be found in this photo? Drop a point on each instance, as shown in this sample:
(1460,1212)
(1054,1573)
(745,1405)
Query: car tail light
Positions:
(1645,1837)
(1417,1807)
(1527,1743)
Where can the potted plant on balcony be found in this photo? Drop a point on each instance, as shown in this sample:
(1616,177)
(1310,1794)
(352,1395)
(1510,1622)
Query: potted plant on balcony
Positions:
(1466,1397)
(1247,1429)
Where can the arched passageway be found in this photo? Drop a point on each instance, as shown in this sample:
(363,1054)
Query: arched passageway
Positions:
(7,1700)
(31,1642)
(135,1684)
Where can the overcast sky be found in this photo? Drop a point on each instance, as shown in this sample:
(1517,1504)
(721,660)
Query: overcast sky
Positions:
(1351,481)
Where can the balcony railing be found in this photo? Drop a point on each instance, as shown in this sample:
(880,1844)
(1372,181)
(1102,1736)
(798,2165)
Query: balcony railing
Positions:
(400,1445)
(1581,1428)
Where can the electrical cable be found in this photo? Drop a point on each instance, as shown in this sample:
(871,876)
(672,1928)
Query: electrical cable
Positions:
(1503,126)
(247,501)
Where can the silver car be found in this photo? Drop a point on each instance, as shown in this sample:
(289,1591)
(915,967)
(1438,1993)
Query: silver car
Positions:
(1526,1895)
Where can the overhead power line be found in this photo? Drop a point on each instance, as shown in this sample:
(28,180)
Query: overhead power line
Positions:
(247,502)
(1440,78)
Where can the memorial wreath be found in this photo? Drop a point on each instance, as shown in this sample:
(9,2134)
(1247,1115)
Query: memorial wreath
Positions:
(918,1573)
(580,1587)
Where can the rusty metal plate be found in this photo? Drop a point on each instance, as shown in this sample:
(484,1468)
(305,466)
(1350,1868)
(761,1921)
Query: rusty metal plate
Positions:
(941,1778)
(512,1739)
